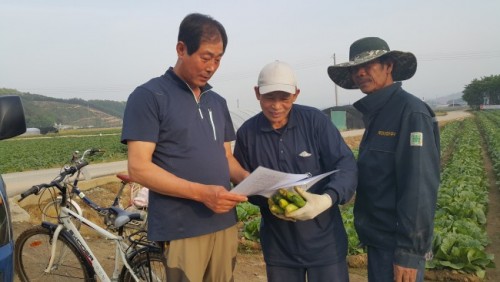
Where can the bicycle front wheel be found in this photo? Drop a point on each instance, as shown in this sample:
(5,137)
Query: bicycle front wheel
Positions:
(51,211)
(150,266)
(32,254)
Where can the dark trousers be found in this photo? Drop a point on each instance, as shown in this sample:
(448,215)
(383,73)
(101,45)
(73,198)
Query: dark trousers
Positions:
(381,266)
(329,273)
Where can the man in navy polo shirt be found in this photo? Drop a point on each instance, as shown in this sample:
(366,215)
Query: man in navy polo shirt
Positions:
(310,245)
(178,132)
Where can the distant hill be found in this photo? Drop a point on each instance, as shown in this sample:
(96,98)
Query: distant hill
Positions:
(42,111)
(455,98)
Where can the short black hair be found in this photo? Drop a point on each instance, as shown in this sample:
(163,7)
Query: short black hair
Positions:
(196,28)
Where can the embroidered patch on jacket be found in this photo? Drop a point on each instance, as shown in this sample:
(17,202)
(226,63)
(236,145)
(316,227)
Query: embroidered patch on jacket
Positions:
(386,133)
(417,139)
(305,154)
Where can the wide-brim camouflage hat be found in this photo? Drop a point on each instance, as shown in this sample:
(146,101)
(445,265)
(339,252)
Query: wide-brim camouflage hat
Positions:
(368,49)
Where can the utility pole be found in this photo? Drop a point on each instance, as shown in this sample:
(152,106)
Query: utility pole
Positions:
(88,112)
(336,99)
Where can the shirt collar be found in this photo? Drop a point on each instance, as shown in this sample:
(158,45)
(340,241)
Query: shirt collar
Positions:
(171,74)
(374,102)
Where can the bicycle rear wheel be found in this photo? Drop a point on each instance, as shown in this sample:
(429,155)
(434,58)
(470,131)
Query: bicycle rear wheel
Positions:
(32,253)
(150,266)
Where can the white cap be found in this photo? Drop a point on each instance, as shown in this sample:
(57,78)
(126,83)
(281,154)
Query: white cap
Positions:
(277,76)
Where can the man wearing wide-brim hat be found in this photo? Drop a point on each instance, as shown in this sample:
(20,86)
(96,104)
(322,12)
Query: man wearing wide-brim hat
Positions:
(398,161)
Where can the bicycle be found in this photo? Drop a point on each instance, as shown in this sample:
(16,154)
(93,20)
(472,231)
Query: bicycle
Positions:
(58,252)
(51,209)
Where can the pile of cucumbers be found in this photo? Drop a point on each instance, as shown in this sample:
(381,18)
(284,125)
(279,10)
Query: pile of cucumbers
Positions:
(284,201)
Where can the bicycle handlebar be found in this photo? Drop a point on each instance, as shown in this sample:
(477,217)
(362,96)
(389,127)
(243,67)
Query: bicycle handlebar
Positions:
(54,183)
(70,170)
(91,152)
(33,190)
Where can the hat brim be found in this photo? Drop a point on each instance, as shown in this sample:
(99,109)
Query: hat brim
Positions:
(265,89)
(405,66)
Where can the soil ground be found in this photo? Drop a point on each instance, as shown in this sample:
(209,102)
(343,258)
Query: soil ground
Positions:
(250,265)
(493,218)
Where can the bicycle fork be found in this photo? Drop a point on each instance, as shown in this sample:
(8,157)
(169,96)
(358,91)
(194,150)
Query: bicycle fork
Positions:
(53,248)
(84,250)
(74,237)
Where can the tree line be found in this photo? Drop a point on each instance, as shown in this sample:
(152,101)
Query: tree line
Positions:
(482,91)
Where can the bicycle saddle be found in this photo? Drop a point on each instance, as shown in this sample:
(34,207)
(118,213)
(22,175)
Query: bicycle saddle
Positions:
(122,217)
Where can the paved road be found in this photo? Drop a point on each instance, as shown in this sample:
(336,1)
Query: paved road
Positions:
(452,115)
(18,182)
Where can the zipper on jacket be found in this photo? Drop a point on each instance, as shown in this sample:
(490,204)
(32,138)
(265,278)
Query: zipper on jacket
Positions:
(199,110)
(212,123)
(196,100)
(201,113)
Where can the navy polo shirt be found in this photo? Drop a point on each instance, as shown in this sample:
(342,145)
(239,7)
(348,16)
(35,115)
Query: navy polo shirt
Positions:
(189,137)
(309,143)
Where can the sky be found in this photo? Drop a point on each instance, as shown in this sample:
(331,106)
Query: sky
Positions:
(97,49)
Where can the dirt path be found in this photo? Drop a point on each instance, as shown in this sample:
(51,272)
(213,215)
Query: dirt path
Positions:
(250,266)
(453,115)
(493,218)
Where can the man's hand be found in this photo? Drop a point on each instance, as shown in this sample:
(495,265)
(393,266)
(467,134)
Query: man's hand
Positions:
(283,217)
(219,200)
(403,274)
(315,204)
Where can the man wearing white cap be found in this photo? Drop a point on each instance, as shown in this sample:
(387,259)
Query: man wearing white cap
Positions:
(309,244)
(398,161)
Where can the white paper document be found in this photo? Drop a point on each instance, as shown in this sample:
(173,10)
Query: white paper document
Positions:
(264,181)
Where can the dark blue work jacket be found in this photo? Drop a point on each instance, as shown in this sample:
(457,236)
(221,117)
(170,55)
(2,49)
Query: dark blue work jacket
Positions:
(398,166)
(309,143)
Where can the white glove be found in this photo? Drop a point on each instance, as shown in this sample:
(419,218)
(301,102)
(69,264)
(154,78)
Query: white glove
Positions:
(315,204)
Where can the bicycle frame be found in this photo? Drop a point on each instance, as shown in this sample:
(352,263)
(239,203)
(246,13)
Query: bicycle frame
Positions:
(87,201)
(76,237)
(76,191)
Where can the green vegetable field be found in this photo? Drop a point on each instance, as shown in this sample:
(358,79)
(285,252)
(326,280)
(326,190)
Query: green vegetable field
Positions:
(53,150)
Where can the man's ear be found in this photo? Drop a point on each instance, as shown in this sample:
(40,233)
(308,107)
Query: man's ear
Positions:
(390,65)
(181,49)
(257,93)
(297,92)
